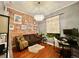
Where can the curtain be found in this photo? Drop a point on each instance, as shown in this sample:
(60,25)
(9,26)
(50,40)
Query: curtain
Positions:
(52,25)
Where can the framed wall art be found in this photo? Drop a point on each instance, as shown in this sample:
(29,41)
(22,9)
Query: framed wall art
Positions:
(17,19)
(11,27)
(23,27)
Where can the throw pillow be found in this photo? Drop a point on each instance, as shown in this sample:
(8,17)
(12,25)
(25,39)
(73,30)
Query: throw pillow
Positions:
(22,42)
(22,38)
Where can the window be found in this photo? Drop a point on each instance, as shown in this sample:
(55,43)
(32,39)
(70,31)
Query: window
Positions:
(52,25)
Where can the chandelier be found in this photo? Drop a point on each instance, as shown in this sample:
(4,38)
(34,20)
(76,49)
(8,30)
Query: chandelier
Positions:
(39,17)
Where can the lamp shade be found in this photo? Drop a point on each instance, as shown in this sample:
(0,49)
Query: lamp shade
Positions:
(39,17)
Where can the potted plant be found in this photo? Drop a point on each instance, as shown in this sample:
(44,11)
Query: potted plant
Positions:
(50,37)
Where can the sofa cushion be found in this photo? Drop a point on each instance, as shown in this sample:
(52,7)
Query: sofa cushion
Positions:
(32,38)
(26,37)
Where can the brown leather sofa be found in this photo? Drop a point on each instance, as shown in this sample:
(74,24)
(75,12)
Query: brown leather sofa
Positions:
(31,39)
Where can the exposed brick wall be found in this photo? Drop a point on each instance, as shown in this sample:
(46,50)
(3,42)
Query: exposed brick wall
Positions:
(26,19)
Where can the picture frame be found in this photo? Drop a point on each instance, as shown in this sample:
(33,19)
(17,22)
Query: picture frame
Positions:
(23,27)
(17,19)
(11,27)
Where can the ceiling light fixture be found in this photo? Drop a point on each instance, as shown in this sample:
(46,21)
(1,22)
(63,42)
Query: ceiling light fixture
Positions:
(39,17)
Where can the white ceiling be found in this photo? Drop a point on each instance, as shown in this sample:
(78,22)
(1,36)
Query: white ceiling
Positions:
(45,7)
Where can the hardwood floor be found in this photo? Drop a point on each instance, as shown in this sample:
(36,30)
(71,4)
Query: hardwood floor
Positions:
(47,52)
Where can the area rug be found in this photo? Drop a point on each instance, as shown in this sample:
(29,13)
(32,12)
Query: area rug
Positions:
(35,48)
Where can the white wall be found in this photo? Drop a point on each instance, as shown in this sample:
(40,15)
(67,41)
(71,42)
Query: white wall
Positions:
(42,26)
(70,18)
